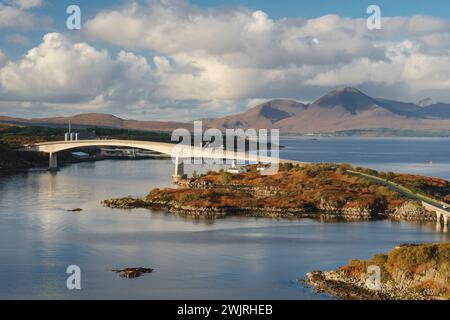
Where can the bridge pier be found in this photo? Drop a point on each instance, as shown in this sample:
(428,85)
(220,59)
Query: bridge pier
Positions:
(179,170)
(53,162)
(444,217)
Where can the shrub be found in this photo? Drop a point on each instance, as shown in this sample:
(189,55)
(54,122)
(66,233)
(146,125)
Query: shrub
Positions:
(225,177)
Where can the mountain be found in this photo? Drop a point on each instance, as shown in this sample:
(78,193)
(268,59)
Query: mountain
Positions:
(346,99)
(99,120)
(436,111)
(340,110)
(261,116)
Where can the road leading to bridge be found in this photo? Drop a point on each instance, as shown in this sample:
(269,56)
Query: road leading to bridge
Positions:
(428,202)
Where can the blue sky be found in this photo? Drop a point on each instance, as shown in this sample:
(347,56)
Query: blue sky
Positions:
(347,8)
(169,59)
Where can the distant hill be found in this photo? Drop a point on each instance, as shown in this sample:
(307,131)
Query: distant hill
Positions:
(262,116)
(344,109)
(99,120)
(341,110)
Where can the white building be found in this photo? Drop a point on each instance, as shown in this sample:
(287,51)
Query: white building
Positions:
(235,169)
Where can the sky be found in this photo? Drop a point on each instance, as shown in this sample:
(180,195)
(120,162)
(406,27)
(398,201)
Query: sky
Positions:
(184,60)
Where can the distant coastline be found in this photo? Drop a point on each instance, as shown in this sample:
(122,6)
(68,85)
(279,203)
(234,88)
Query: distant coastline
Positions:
(381,133)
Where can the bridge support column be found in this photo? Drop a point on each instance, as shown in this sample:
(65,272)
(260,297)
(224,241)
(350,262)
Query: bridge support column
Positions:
(53,162)
(179,170)
(445,220)
(438,216)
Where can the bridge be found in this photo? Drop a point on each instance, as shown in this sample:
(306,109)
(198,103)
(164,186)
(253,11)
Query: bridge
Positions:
(442,210)
(177,151)
(442,213)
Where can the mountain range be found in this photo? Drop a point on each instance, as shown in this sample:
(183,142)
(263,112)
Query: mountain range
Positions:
(87,120)
(340,110)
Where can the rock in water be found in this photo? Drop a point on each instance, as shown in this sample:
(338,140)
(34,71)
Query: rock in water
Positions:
(132,272)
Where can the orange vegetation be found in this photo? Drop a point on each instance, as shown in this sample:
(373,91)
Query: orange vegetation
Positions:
(314,186)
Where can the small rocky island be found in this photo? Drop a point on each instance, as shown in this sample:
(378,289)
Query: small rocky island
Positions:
(409,272)
(324,190)
(132,272)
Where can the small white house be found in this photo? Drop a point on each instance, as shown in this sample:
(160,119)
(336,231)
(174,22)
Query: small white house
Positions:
(235,169)
(261,167)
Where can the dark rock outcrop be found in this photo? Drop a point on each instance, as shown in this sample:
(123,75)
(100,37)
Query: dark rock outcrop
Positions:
(132,272)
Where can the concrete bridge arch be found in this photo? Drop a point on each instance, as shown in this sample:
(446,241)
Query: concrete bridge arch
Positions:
(178,152)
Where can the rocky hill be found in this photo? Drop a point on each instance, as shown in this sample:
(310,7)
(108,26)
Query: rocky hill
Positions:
(340,110)
(99,120)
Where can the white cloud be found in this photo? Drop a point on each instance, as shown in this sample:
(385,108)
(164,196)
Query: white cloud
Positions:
(415,25)
(60,71)
(240,54)
(406,64)
(28,4)
(18,39)
(16,14)
(162,64)
(206,61)
(15,17)
(239,37)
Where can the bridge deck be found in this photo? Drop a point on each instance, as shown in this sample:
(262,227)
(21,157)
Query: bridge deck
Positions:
(432,207)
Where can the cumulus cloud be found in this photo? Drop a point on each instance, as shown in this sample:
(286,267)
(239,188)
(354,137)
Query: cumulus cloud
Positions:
(16,14)
(61,71)
(239,37)
(27,4)
(240,54)
(206,62)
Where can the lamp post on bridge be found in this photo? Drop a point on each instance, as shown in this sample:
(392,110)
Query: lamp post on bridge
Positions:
(70,136)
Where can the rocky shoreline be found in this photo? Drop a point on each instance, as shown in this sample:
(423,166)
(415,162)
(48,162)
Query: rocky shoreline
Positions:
(409,272)
(408,211)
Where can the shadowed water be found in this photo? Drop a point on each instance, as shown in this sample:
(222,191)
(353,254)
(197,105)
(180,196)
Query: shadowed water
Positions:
(229,258)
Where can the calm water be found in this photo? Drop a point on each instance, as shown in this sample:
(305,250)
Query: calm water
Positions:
(231,258)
